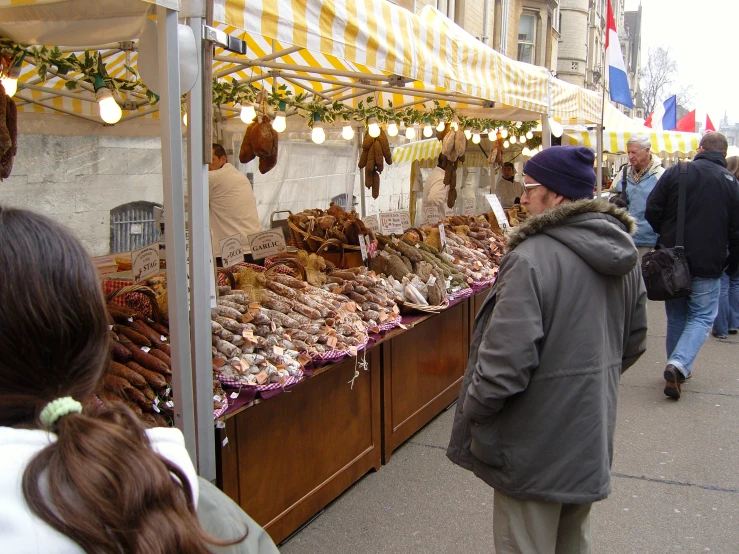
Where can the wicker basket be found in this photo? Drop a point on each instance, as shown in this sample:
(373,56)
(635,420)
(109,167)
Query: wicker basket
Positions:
(156,312)
(409,307)
(344,258)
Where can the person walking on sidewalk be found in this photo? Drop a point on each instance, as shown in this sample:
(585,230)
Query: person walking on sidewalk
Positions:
(634,183)
(711,225)
(727,320)
(566,317)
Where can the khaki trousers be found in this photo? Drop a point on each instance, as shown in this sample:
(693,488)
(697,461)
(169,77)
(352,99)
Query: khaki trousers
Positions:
(529,527)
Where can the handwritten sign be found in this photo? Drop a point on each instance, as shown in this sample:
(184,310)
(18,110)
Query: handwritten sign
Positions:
(267,243)
(405,219)
(391,223)
(468,206)
(497,210)
(448,211)
(231,250)
(372,223)
(145,262)
(431,215)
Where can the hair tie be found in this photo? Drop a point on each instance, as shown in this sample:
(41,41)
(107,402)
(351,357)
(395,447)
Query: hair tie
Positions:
(58,408)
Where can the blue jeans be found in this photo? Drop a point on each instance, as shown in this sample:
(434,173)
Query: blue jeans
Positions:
(688,322)
(728,306)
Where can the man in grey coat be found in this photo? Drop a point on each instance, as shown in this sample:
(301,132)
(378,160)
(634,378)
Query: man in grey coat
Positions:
(566,317)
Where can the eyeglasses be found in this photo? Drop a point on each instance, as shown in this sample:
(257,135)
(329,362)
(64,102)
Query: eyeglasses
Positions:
(528,186)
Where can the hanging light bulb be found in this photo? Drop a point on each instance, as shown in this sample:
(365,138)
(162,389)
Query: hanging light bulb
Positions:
(513,139)
(280,123)
(427,130)
(347,132)
(555,127)
(526,151)
(248,113)
(318,135)
(184,118)
(10,83)
(538,127)
(541,147)
(374,128)
(504,133)
(476,138)
(506,144)
(468,134)
(455,125)
(110,111)
(522,139)
(392,128)
(518,124)
(410,132)
(529,135)
(440,127)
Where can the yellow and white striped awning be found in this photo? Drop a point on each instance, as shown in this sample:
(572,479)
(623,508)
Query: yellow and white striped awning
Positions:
(427,152)
(663,142)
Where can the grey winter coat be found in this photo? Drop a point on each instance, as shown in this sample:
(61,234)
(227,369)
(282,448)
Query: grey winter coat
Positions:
(567,315)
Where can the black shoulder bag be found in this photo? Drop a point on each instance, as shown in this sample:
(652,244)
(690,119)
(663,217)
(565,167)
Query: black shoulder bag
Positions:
(624,185)
(665,270)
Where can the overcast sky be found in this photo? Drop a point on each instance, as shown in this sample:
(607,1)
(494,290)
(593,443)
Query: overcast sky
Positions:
(703,37)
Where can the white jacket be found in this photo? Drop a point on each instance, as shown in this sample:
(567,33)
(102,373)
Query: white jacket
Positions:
(233,206)
(21,531)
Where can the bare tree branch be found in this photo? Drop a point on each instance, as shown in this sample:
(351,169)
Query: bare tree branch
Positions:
(657,77)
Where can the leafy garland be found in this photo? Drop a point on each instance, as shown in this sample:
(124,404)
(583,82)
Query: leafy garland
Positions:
(91,67)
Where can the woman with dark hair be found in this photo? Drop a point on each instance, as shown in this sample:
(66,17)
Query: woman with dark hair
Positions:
(77,476)
(727,319)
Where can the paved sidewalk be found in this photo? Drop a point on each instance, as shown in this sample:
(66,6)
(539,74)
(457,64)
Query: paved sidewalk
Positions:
(675,487)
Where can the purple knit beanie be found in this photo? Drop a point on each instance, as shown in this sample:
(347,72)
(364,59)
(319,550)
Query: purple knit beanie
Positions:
(566,170)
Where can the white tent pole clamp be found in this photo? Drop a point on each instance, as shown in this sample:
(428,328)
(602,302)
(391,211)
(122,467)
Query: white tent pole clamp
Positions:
(224,40)
(174,220)
(200,270)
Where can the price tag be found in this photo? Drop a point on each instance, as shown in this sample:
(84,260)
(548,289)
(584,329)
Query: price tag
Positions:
(272,326)
(363,247)
(220,424)
(353,351)
(162,338)
(278,350)
(254,307)
(351,306)
(232,252)
(145,349)
(332,341)
(234,395)
(224,442)
(497,210)
(391,223)
(155,408)
(431,215)
(145,262)
(442,233)
(303,358)
(396,309)
(262,377)
(372,223)
(468,206)
(383,317)
(248,334)
(247,318)
(267,243)
(110,327)
(403,326)
(432,281)
(336,290)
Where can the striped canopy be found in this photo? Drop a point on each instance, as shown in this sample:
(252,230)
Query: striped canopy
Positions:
(663,142)
(428,151)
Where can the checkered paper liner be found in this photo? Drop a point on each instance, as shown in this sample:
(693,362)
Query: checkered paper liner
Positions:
(389,324)
(222,410)
(335,355)
(464,293)
(234,384)
(133,300)
(484,283)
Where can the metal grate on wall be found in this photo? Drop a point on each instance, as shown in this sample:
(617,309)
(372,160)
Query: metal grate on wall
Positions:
(132,226)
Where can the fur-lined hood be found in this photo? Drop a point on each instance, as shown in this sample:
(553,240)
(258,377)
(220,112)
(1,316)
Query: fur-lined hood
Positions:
(595,230)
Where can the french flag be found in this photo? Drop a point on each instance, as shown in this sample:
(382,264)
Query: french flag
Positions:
(620,92)
(664,116)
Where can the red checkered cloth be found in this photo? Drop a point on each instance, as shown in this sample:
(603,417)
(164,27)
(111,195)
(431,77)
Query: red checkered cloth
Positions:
(335,355)
(390,323)
(133,300)
(464,293)
(290,380)
(222,410)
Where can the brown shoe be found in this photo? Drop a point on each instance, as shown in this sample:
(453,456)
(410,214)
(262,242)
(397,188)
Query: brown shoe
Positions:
(673,378)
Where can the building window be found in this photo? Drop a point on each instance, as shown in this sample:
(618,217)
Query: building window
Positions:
(556,19)
(526,37)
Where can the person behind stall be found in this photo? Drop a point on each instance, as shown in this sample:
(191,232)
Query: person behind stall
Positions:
(566,317)
(233,206)
(507,189)
(77,475)
(434,190)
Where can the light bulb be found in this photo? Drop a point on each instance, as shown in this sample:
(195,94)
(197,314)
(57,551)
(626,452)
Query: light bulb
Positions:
(110,111)
(392,129)
(522,139)
(440,126)
(454,126)
(428,131)
(555,127)
(513,139)
(318,135)
(529,135)
(10,85)
(518,124)
(280,123)
(468,134)
(184,118)
(248,114)
(410,133)
(504,133)
(347,132)
(374,128)
(526,151)
(476,138)
(506,144)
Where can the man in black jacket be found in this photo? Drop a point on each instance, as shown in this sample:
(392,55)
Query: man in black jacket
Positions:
(711,226)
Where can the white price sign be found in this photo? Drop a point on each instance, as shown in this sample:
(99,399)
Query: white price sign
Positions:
(267,243)
(363,247)
(405,219)
(232,252)
(391,223)
(468,206)
(372,223)
(497,210)
(448,211)
(431,215)
(442,233)
(145,262)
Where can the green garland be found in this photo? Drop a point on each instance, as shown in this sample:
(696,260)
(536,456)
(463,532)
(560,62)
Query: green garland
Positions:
(91,67)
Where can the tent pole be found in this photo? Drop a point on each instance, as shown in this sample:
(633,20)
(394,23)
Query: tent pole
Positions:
(200,267)
(546,132)
(174,220)
(362,200)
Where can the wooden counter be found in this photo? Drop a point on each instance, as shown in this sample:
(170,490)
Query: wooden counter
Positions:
(291,455)
(422,372)
(476,302)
